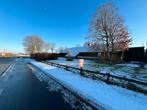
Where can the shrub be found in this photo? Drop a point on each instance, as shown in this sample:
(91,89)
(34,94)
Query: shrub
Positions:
(69,58)
(44,56)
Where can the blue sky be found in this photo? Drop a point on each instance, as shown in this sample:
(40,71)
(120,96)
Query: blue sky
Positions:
(64,22)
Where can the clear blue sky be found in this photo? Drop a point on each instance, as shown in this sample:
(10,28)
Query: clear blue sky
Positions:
(64,22)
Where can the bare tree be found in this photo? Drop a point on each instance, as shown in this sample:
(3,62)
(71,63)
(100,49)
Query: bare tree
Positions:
(107,30)
(33,44)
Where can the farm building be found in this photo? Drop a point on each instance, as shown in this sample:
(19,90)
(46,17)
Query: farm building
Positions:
(132,54)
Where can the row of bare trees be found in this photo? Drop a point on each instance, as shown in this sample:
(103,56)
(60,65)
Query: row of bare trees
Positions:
(108,32)
(35,44)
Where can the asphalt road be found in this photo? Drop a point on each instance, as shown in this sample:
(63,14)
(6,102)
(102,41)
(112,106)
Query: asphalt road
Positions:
(21,90)
(5,63)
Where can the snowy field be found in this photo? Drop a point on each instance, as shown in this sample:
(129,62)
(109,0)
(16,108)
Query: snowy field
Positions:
(130,70)
(109,96)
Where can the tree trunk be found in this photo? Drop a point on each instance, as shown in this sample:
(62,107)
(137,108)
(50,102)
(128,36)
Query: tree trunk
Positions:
(112,51)
(107,49)
(122,56)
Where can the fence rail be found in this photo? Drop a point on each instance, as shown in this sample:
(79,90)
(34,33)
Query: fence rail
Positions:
(129,83)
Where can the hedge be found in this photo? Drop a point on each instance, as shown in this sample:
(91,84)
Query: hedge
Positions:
(44,56)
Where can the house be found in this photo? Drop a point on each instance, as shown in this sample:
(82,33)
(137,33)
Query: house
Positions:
(74,51)
(87,55)
(132,54)
(22,55)
(6,54)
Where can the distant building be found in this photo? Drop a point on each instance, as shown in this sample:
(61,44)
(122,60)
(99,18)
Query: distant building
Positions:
(22,55)
(75,51)
(87,55)
(3,54)
(134,54)
(7,54)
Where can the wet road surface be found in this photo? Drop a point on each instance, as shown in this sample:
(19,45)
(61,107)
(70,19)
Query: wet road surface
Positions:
(21,90)
(5,63)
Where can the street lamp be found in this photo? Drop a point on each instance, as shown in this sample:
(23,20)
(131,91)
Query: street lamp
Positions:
(81,65)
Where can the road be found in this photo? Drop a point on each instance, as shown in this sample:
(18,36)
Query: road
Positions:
(4,64)
(21,90)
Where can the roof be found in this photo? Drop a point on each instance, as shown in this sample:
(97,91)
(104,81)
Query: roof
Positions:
(76,50)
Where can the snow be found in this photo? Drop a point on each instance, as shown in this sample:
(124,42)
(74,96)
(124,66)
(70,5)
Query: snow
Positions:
(128,70)
(108,96)
(129,65)
(76,50)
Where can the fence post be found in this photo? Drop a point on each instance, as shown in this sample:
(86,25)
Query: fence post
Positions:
(108,77)
(66,67)
(81,71)
(57,65)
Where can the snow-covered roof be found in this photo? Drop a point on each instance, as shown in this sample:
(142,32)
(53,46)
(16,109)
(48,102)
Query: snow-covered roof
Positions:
(76,50)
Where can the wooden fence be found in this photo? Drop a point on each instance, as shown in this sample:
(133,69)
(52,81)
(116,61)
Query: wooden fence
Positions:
(128,83)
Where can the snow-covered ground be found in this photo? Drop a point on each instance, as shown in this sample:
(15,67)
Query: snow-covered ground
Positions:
(109,96)
(130,70)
